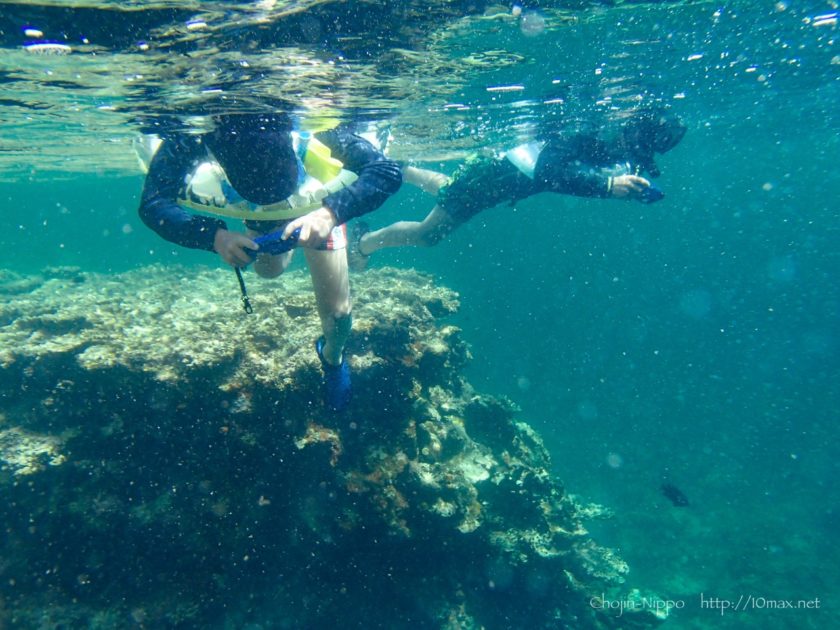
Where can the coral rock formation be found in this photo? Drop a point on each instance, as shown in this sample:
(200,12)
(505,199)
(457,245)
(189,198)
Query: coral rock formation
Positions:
(167,462)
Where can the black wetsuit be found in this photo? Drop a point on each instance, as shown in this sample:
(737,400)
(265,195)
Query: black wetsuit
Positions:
(178,157)
(574,164)
(580,164)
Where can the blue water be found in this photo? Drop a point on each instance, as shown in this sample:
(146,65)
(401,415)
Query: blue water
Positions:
(695,340)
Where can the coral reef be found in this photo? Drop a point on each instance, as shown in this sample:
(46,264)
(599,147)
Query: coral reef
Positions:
(166,461)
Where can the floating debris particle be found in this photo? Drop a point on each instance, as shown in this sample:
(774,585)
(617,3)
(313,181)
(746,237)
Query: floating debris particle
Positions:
(48,48)
(506,88)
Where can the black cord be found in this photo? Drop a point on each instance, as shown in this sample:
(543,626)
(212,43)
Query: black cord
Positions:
(246,303)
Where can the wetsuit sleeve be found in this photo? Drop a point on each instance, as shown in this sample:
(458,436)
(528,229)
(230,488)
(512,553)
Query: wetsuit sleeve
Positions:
(379,177)
(565,167)
(174,160)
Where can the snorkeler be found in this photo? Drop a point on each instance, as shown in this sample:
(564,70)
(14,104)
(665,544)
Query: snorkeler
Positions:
(593,163)
(291,189)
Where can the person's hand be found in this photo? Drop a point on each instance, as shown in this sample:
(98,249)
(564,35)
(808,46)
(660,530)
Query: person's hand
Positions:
(315,227)
(231,247)
(624,186)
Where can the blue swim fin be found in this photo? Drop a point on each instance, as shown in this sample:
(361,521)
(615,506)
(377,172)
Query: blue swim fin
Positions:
(337,389)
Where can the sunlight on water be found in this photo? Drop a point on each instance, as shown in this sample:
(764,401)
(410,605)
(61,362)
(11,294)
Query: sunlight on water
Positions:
(450,80)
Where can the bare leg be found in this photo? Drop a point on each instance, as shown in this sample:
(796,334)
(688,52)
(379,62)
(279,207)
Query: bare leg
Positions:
(430,231)
(426,180)
(330,280)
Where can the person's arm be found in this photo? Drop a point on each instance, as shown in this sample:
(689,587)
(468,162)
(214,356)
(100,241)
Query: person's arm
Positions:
(563,168)
(159,210)
(379,177)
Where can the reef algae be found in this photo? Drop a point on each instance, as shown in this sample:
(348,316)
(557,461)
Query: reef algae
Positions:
(167,462)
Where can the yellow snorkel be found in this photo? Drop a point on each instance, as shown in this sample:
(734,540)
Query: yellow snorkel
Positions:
(319,163)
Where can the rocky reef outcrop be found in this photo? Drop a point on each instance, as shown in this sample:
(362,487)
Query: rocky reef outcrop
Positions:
(166,461)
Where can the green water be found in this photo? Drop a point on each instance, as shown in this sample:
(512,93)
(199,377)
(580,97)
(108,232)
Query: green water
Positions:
(694,340)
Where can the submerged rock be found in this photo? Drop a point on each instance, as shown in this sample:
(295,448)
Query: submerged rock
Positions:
(166,461)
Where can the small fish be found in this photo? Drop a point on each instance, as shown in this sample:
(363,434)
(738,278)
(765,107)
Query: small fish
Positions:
(675,495)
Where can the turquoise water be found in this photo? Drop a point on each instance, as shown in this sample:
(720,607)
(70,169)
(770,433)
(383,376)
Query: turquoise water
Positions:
(694,340)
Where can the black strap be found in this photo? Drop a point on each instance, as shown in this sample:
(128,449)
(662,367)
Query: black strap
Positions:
(246,303)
